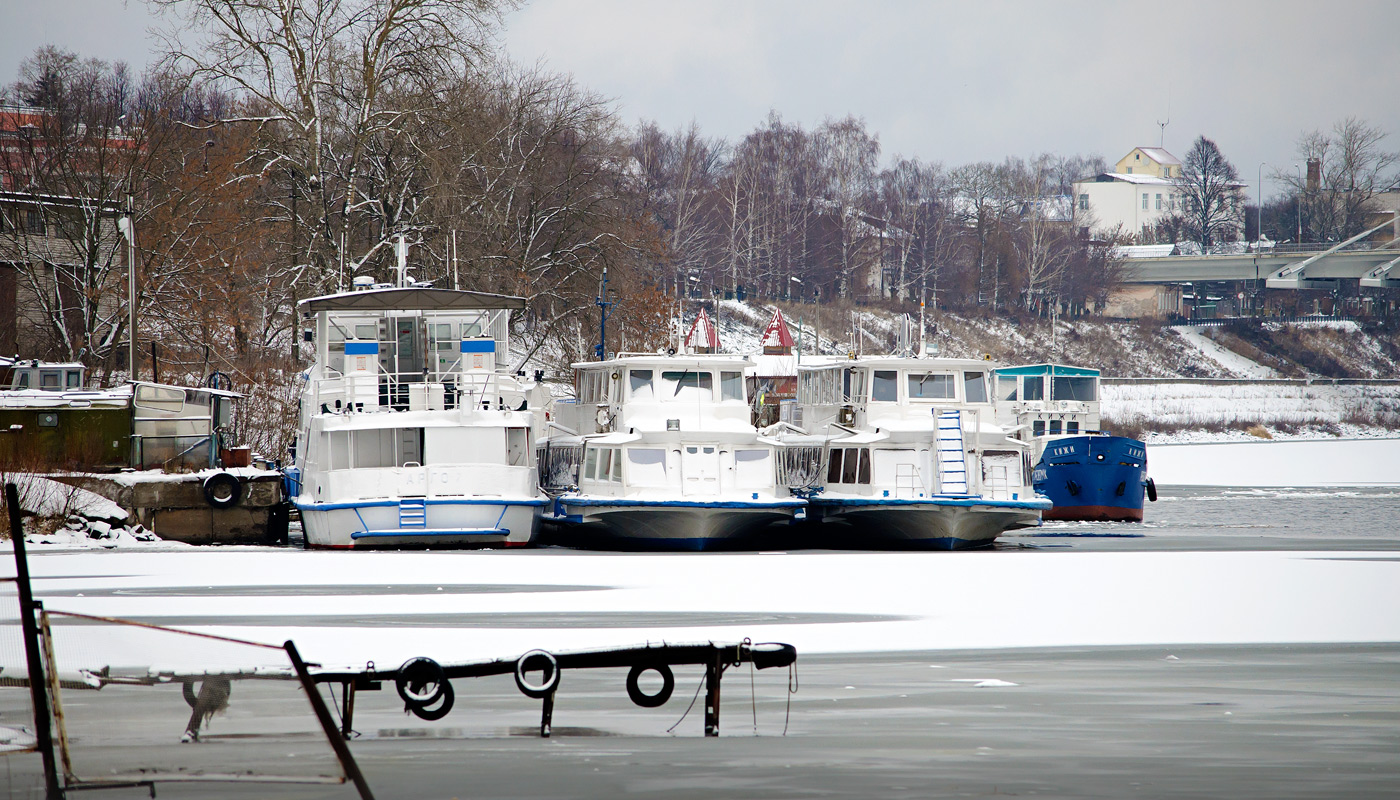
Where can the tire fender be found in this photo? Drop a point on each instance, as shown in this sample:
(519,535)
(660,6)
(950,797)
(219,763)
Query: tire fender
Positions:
(537,659)
(222,490)
(634,689)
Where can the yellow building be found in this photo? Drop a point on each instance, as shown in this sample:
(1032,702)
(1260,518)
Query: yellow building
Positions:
(1152,161)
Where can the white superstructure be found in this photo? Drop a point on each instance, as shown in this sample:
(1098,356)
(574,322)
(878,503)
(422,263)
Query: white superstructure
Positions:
(412,434)
(908,451)
(658,451)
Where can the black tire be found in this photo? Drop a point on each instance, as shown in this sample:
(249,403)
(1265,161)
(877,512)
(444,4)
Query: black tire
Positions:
(530,661)
(222,490)
(1151,490)
(420,682)
(634,690)
(431,714)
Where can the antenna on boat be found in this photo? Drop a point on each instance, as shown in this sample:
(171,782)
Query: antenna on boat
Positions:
(401,248)
(605,308)
(923,290)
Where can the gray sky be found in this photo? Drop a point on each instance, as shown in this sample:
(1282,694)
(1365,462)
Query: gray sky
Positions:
(953,82)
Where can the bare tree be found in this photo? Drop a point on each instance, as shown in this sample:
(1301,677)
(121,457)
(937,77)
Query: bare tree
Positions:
(1353,168)
(849,156)
(1212,195)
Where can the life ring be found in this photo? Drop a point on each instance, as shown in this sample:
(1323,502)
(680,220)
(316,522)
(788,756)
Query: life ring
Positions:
(1151,490)
(222,489)
(421,682)
(431,714)
(547,684)
(634,690)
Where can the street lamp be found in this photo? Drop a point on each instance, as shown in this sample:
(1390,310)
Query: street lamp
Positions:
(798,281)
(1259,211)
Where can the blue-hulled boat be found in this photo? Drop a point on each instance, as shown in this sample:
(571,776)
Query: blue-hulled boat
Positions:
(1088,474)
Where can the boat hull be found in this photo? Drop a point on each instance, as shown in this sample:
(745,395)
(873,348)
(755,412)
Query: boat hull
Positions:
(1094,478)
(934,524)
(455,524)
(664,525)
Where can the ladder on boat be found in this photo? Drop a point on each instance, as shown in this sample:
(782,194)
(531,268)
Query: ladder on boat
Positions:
(948,452)
(413,512)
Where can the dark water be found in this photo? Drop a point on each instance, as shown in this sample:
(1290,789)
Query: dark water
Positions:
(1238,519)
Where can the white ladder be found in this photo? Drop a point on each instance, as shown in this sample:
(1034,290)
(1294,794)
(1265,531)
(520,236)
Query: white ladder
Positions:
(948,452)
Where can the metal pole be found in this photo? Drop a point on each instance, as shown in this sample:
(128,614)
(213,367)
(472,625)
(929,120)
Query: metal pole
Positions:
(296,323)
(131,285)
(323,715)
(37,688)
(1259,211)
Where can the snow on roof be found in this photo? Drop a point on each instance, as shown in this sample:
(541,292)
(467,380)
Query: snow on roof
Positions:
(1109,177)
(702,333)
(1161,156)
(777,333)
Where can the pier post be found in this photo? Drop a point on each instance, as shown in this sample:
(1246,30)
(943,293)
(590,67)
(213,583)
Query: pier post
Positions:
(714,670)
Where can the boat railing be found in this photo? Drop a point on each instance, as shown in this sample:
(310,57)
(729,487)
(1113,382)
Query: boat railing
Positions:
(558,466)
(801,466)
(414,391)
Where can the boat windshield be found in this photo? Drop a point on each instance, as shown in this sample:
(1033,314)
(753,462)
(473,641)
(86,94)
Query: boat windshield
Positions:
(975,387)
(1079,389)
(731,386)
(931,386)
(688,385)
(1033,388)
(885,388)
(639,386)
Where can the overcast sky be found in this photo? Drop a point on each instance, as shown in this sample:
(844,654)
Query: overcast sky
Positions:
(953,82)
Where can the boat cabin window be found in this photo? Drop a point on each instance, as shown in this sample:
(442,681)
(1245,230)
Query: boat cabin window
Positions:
(75,379)
(731,386)
(687,385)
(1079,389)
(639,385)
(1072,426)
(591,386)
(1006,388)
(818,387)
(1038,428)
(931,386)
(23,381)
(48,380)
(160,398)
(885,387)
(975,387)
(646,467)
(849,465)
(603,464)
(1033,388)
(1054,427)
(517,447)
(853,386)
(375,448)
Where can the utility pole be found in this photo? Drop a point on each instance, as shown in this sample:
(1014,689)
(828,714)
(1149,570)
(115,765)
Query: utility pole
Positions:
(131,284)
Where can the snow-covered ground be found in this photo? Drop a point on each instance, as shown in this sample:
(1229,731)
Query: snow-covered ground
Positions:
(1229,359)
(346,608)
(1198,407)
(1295,463)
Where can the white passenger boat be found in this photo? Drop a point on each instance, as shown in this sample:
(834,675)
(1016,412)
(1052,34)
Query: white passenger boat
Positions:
(909,452)
(412,434)
(658,451)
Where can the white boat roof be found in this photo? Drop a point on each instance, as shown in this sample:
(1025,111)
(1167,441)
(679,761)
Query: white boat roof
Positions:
(411,299)
(902,362)
(681,360)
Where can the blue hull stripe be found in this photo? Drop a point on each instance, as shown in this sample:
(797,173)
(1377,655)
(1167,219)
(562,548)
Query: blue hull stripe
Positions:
(418,532)
(1038,504)
(432,502)
(621,503)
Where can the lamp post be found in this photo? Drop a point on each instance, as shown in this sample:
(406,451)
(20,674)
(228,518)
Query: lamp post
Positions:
(1259,211)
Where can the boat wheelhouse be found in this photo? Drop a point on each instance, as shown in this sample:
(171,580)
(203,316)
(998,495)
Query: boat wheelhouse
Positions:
(658,451)
(910,451)
(412,433)
(1088,474)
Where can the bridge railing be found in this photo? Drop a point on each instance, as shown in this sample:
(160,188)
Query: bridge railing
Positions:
(1220,322)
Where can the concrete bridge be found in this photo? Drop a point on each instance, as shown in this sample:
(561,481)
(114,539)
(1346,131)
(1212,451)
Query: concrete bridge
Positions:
(1316,268)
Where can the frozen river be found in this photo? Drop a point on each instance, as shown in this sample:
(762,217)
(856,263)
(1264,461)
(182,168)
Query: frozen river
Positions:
(1240,643)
